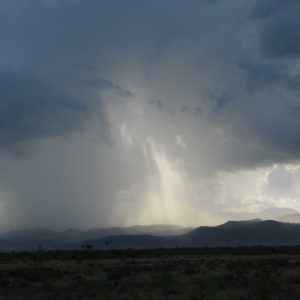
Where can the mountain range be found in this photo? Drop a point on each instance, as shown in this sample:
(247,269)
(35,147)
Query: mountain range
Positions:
(231,234)
(290,218)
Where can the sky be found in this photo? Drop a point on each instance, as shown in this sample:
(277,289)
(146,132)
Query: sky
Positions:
(122,112)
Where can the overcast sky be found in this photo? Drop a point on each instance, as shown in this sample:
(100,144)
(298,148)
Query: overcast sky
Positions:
(121,112)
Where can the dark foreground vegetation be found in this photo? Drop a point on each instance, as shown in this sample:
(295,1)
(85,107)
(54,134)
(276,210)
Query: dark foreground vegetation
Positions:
(208,273)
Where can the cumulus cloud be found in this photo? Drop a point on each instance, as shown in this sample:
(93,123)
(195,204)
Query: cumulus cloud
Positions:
(282,182)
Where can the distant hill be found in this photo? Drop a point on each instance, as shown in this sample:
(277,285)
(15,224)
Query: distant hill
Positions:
(231,234)
(244,233)
(31,239)
(290,218)
(29,234)
(271,213)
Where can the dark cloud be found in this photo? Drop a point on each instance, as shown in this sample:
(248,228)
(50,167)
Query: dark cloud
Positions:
(279,28)
(31,109)
(295,111)
(266,75)
(263,74)
(156,103)
(203,86)
(102,84)
(192,111)
(267,8)
(281,38)
(197,112)
(223,100)
(208,1)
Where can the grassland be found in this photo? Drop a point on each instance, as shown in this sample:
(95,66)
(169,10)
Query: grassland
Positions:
(161,274)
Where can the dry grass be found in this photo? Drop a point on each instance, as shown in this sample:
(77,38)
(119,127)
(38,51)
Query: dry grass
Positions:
(159,276)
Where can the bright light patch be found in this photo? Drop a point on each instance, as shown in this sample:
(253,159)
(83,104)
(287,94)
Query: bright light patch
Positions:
(165,199)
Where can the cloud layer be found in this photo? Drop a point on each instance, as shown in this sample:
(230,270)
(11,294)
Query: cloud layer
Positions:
(135,111)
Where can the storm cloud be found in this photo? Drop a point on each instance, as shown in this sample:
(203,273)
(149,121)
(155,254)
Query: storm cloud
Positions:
(280,34)
(146,111)
(31,109)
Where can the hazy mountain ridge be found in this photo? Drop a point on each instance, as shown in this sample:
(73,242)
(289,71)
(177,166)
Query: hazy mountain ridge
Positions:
(290,218)
(231,234)
(49,239)
(245,233)
(271,213)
